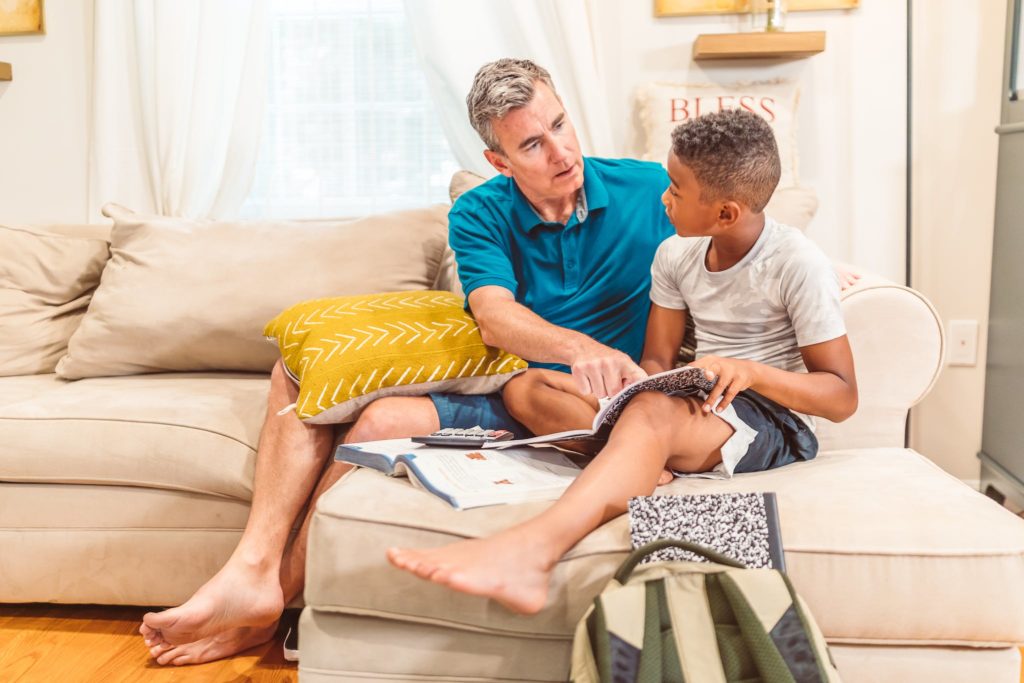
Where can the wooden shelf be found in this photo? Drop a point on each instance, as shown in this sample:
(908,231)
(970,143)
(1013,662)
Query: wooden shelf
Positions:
(779,44)
(5,71)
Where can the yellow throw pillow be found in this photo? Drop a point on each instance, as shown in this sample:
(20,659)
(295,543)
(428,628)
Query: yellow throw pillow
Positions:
(347,351)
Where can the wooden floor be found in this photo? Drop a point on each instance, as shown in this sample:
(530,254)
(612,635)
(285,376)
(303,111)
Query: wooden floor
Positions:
(62,643)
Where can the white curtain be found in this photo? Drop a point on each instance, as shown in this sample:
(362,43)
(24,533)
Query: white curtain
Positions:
(454,38)
(178,98)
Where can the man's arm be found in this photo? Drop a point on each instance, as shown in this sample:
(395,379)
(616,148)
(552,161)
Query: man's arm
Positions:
(506,324)
(665,330)
(828,388)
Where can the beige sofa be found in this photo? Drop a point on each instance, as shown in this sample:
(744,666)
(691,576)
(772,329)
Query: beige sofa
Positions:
(133,489)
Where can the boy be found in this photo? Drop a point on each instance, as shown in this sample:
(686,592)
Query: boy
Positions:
(765,303)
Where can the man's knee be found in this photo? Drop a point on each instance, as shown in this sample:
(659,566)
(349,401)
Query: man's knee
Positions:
(279,379)
(392,418)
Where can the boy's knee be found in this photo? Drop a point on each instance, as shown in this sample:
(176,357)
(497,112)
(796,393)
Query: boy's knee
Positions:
(651,403)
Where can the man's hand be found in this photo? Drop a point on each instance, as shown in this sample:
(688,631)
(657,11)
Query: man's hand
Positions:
(733,376)
(848,276)
(603,371)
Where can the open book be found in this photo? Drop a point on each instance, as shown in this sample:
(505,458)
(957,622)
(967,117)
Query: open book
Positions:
(685,380)
(468,478)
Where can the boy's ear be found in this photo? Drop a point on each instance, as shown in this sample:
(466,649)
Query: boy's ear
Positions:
(498,161)
(729,213)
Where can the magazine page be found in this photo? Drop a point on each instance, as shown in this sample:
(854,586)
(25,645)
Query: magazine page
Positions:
(474,478)
(679,380)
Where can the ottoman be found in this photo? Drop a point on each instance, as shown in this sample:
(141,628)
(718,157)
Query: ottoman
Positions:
(910,574)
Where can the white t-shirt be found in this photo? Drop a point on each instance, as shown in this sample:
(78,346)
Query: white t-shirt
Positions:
(782,295)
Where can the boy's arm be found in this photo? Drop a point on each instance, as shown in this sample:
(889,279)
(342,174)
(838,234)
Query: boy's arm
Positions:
(828,389)
(665,330)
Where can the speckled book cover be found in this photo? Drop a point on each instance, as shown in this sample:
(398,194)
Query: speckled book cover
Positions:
(743,526)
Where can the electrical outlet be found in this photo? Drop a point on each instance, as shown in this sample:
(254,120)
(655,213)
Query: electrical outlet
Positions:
(963,342)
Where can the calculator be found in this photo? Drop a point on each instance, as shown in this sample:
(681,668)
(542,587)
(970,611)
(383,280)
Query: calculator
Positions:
(474,437)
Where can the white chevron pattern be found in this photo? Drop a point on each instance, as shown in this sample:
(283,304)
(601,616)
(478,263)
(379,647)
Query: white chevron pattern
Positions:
(335,346)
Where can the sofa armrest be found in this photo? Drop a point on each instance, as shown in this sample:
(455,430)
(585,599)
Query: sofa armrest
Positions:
(898,345)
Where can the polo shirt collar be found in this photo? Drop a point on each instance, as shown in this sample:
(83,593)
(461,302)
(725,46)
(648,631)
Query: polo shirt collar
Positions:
(595,196)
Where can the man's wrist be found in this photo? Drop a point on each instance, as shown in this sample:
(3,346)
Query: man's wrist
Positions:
(575,347)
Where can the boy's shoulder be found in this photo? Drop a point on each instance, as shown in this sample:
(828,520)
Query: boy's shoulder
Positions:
(790,245)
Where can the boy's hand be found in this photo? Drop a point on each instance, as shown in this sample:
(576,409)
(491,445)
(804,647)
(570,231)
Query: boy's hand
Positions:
(732,375)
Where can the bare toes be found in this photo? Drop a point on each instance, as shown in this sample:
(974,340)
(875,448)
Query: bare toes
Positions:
(158,650)
(183,659)
(168,656)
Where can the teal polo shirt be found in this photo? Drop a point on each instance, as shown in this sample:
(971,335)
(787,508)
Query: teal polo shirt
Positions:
(593,274)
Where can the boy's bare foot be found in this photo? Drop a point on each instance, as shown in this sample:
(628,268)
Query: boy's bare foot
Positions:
(237,596)
(218,646)
(510,568)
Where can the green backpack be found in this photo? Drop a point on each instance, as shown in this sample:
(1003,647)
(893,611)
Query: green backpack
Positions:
(698,622)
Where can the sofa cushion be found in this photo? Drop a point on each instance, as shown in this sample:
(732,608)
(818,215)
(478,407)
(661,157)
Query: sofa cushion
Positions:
(881,544)
(47,276)
(186,432)
(192,295)
(347,352)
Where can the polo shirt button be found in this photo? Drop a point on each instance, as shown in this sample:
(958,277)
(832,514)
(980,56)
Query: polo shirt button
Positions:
(571,264)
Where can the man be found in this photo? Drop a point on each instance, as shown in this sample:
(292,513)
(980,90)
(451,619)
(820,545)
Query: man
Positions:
(554,256)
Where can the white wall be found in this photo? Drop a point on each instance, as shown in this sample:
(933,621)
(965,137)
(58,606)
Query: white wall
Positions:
(44,119)
(957,77)
(852,112)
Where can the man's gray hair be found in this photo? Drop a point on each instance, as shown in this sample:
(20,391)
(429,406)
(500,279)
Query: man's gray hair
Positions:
(500,87)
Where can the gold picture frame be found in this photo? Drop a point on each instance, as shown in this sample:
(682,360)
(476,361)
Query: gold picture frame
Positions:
(680,8)
(20,17)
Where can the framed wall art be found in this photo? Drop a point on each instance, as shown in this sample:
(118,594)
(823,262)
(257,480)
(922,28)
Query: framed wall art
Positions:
(678,8)
(18,17)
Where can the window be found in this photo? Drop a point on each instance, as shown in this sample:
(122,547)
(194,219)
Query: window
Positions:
(350,128)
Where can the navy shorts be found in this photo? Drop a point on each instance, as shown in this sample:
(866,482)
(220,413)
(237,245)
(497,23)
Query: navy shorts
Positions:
(781,438)
(463,411)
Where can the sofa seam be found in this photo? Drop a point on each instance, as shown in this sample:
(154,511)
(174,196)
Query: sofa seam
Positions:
(127,421)
(462,626)
(84,481)
(624,551)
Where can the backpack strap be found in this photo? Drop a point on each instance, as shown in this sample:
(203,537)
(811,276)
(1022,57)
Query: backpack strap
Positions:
(635,557)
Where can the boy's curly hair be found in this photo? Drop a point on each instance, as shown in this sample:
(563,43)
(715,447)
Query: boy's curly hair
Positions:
(733,155)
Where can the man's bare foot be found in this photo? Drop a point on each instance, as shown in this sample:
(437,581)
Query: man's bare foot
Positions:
(235,597)
(217,646)
(508,567)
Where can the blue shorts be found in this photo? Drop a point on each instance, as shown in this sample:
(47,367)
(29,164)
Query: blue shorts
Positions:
(781,436)
(463,411)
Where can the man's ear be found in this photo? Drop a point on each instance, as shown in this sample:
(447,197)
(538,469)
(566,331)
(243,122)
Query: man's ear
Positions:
(729,213)
(498,161)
